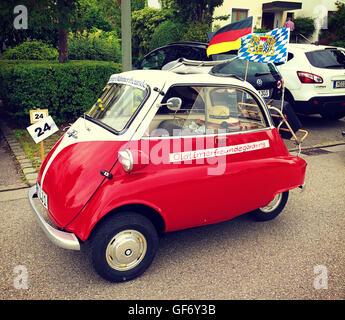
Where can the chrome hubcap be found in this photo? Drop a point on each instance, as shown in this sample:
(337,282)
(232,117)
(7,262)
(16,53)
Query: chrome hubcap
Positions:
(126,250)
(273,204)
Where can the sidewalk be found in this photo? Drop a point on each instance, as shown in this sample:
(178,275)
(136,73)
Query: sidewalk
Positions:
(15,167)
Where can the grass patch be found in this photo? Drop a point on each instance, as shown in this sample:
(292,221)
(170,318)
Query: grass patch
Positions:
(33,150)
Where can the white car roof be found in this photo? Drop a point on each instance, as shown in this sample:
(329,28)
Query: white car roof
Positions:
(157,78)
(307,47)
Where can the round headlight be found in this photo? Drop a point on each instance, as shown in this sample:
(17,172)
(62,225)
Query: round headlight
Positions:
(126,160)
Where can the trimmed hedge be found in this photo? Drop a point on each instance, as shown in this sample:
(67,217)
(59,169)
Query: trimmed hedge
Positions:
(66,89)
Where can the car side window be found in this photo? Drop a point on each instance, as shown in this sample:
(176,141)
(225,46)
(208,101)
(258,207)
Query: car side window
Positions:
(290,56)
(207,110)
(177,52)
(234,110)
(155,60)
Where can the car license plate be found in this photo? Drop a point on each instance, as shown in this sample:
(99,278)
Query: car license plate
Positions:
(339,84)
(42,196)
(264,93)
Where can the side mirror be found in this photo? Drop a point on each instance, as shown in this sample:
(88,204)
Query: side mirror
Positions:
(173,104)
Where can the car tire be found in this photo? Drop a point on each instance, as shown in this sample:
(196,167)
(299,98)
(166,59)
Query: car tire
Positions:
(123,246)
(333,116)
(273,209)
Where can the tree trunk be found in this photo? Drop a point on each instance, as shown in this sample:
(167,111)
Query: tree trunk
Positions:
(63,46)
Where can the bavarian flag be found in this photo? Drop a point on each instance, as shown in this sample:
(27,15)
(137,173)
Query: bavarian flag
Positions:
(265,47)
(228,37)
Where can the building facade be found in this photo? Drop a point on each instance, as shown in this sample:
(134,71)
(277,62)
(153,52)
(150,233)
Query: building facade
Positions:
(273,14)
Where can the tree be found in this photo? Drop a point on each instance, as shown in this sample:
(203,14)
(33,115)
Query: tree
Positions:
(168,31)
(61,15)
(144,24)
(47,19)
(336,26)
(112,10)
(10,36)
(92,14)
(194,10)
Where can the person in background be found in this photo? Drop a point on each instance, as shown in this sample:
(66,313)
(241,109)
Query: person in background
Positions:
(289,24)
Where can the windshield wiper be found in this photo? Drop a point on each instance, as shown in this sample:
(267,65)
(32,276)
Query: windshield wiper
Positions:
(261,74)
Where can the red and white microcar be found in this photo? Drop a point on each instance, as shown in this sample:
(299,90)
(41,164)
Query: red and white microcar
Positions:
(161,151)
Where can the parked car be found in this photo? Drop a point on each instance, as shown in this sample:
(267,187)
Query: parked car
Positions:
(157,58)
(314,79)
(264,77)
(161,151)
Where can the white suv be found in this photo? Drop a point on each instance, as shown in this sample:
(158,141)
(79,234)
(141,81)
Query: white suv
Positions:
(314,79)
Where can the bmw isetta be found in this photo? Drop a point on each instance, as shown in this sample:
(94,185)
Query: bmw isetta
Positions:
(107,182)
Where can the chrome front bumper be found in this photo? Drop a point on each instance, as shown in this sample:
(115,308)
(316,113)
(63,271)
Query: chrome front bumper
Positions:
(62,239)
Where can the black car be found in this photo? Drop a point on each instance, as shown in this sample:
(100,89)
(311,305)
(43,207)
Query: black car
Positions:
(264,77)
(159,57)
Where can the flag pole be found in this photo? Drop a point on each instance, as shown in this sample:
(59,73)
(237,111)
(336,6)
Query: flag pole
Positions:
(245,75)
(245,78)
(283,84)
(283,93)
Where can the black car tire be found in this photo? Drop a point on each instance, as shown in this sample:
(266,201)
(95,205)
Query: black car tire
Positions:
(123,246)
(273,209)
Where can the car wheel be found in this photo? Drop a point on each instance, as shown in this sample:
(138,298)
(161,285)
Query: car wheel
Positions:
(123,246)
(273,208)
(333,116)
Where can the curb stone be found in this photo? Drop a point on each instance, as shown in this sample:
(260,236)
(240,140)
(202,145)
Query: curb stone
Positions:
(25,164)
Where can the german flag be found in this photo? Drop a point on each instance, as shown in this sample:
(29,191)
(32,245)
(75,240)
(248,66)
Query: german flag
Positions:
(228,37)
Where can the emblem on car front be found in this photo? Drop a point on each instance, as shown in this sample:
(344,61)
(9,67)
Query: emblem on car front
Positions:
(259,82)
(72,133)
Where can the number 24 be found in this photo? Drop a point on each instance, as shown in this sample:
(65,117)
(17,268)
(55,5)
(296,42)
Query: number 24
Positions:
(40,131)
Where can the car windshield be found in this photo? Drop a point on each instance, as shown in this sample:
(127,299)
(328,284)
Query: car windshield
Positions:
(238,67)
(117,104)
(329,58)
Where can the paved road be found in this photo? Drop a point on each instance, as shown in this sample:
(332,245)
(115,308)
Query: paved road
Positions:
(285,258)
(321,131)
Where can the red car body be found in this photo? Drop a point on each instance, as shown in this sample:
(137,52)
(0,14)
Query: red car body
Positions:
(172,183)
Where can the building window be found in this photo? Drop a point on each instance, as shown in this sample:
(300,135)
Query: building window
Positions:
(239,14)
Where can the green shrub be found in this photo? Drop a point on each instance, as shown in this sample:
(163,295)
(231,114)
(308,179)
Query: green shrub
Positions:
(336,22)
(66,89)
(94,45)
(31,50)
(197,31)
(338,43)
(144,24)
(167,32)
(304,26)
(260,30)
